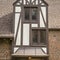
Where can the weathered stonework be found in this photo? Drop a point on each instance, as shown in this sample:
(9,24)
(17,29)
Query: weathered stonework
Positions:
(5,49)
(54,45)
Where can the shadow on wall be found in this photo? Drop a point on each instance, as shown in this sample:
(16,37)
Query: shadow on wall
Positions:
(7,24)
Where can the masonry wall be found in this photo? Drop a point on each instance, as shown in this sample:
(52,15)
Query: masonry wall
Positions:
(54,45)
(5,49)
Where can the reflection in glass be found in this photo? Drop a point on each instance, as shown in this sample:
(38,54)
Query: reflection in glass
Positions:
(34,13)
(27,12)
(35,36)
(43,36)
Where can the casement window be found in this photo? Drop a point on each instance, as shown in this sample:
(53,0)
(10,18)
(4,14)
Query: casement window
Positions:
(38,37)
(30,13)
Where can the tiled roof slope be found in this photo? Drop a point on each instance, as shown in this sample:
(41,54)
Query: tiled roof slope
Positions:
(6,15)
(54,13)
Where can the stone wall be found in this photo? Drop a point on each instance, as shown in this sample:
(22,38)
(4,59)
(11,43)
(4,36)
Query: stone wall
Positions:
(5,49)
(54,45)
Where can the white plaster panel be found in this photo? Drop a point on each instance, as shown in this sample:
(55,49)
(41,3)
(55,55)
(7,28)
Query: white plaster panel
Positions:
(40,1)
(24,2)
(42,4)
(30,51)
(44,12)
(39,51)
(44,49)
(36,1)
(43,9)
(41,21)
(25,34)
(18,40)
(20,51)
(34,25)
(17,9)
(17,15)
(15,49)
(32,0)
(18,3)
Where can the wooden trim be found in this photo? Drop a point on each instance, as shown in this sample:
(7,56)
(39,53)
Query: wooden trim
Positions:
(54,29)
(43,18)
(12,46)
(30,34)
(6,35)
(43,51)
(47,40)
(22,26)
(45,3)
(17,29)
(30,45)
(29,55)
(30,3)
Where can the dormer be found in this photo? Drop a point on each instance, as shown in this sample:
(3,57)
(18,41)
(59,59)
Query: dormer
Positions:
(31,27)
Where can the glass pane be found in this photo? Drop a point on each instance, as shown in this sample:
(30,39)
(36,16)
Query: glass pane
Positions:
(27,12)
(35,36)
(43,36)
(34,13)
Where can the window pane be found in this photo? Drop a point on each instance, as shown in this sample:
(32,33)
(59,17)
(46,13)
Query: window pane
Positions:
(38,37)
(43,36)
(27,12)
(35,36)
(34,13)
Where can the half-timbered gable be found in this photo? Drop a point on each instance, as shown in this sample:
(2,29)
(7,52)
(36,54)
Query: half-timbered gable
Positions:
(31,28)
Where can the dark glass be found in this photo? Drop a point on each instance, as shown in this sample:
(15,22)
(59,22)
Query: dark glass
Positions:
(27,12)
(43,36)
(30,12)
(34,13)
(35,36)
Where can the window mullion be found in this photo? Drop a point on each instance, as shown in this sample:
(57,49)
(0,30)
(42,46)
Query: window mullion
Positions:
(30,15)
(39,37)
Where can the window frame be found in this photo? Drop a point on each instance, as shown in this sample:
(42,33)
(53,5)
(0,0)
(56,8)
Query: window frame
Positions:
(39,40)
(30,15)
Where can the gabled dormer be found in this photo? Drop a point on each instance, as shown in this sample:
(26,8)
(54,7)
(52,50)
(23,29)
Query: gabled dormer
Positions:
(31,28)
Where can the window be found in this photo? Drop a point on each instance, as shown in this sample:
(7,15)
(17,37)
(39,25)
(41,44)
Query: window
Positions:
(27,12)
(35,36)
(34,13)
(30,13)
(38,37)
